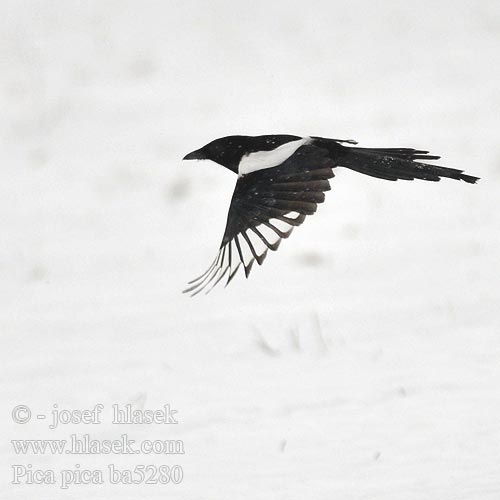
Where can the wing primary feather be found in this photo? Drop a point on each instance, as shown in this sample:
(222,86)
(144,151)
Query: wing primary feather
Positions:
(218,279)
(248,267)
(233,273)
(279,232)
(222,273)
(231,276)
(198,287)
(293,222)
(204,285)
(219,269)
(271,246)
(238,248)
(206,272)
(258,258)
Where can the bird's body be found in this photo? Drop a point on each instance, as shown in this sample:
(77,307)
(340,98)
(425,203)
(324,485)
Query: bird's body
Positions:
(282,178)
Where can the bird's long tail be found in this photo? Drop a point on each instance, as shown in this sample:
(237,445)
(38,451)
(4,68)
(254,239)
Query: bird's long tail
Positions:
(398,163)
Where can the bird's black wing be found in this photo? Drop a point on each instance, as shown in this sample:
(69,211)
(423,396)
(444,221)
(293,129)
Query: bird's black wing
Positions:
(265,207)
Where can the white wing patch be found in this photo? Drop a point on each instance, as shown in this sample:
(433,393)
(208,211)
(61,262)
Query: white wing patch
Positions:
(269,159)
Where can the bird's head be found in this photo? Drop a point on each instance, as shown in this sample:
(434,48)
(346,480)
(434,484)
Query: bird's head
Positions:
(226,151)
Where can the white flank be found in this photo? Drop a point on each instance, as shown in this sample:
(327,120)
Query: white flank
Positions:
(269,159)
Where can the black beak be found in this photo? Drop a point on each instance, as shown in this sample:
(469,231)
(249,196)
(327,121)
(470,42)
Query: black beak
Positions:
(195,155)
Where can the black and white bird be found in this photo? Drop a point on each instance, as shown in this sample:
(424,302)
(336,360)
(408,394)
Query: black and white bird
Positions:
(281,179)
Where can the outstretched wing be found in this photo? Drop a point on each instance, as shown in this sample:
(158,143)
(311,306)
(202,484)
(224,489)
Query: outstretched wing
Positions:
(265,207)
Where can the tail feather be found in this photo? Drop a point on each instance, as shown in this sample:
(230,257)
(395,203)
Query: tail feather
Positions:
(393,164)
(403,153)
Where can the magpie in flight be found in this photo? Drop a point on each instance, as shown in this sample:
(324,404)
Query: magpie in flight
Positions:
(281,179)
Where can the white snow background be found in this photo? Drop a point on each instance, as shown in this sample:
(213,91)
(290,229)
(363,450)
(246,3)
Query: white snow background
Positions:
(362,360)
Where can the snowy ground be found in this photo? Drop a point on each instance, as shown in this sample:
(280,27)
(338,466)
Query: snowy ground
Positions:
(362,361)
